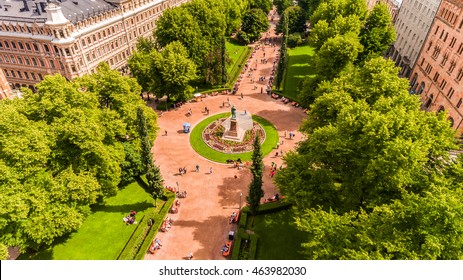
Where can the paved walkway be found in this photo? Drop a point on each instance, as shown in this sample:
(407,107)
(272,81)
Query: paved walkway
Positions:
(201,225)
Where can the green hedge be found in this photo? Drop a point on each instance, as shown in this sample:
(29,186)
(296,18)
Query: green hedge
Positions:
(243,219)
(253,246)
(236,248)
(270,207)
(158,220)
(236,71)
(132,245)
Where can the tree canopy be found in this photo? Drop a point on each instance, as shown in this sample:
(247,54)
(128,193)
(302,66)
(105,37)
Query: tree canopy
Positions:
(371,168)
(64,149)
(254,23)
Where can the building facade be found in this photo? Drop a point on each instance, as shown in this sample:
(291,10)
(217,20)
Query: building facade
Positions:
(5,89)
(412,26)
(71,37)
(438,72)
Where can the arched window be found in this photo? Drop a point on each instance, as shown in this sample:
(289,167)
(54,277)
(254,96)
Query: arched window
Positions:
(451,121)
(421,88)
(413,80)
(428,103)
(441,109)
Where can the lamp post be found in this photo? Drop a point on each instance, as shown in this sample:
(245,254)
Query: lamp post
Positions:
(241,195)
(178,188)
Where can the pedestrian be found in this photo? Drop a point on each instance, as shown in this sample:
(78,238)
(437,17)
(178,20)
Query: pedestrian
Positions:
(283,140)
(210,170)
(190,256)
(272,164)
(180,170)
(165,132)
(242,96)
(261,90)
(276,154)
(197,167)
(245,112)
(278,145)
(272,173)
(281,152)
(184,170)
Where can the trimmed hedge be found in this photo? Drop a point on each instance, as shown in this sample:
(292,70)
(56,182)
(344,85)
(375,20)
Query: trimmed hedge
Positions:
(132,245)
(236,71)
(270,207)
(253,247)
(243,219)
(236,248)
(158,220)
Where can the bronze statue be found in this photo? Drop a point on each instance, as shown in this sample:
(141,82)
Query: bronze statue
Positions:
(233,112)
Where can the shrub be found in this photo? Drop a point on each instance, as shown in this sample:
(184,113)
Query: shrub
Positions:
(243,38)
(253,247)
(243,219)
(294,40)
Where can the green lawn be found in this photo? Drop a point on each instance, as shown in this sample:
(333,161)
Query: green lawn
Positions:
(279,239)
(103,234)
(196,140)
(301,63)
(235,50)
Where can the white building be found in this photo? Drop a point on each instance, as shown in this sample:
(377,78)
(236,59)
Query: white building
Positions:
(412,26)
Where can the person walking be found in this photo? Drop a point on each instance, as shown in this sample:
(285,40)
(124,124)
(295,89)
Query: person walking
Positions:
(197,167)
(242,96)
(190,256)
(210,170)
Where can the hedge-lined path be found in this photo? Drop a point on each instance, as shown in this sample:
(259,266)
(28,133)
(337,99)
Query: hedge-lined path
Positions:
(201,226)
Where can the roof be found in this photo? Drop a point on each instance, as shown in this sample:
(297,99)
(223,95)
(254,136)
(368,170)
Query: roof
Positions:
(35,10)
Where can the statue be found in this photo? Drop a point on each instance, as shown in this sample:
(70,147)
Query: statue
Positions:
(233,112)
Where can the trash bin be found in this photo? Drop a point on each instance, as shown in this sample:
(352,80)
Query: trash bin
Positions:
(186,127)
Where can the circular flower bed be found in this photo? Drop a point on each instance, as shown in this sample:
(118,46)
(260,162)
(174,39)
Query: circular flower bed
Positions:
(212,136)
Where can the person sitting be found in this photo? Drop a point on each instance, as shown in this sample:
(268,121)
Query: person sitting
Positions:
(224,248)
(232,217)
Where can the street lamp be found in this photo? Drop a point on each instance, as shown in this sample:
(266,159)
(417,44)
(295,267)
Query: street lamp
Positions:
(241,195)
(178,188)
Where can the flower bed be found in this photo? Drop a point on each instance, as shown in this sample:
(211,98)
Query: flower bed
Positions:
(213,133)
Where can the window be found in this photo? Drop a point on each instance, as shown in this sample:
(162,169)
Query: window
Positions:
(47,50)
(450,93)
(27,61)
(20,60)
(459,102)
(445,58)
(7,45)
(36,48)
(83,42)
(443,84)
(436,77)
(41,62)
(428,68)
(460,74)
(27,75)
(13,45)
(21,46)
(40,76)
(20,75)
(52,64)
(1,45)
(436,52)
(28,47)
(452,42)
(34,61)
(460,49)
(33,76)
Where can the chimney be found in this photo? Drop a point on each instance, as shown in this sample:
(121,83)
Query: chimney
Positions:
(43,5)
(25,8)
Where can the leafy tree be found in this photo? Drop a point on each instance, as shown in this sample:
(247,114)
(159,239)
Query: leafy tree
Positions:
(392,148)
(180,25)
(309,6)
(295,18)
(234,13)
(264,5)
(341,25)
(331,9)
(225,61)
(415,227)
(170,71)
(378,33)
(254,23)
(282,5)
(153,174)
(336,54)
(3,252)
(255,188)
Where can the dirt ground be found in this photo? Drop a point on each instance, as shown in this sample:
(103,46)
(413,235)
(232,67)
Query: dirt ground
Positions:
(201,225)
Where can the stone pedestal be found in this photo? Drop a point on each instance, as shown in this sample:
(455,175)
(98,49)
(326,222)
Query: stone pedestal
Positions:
(233,132)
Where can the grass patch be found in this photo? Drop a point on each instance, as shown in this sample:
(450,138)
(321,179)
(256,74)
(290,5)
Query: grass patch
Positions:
(279,239)
(103,234)
(301,63)
(204,150)
(235,51)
